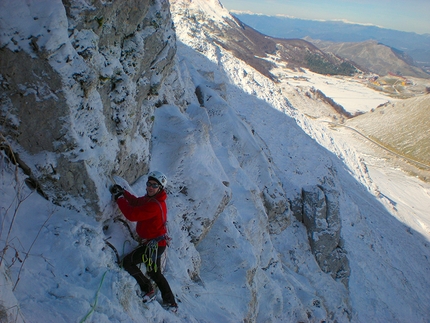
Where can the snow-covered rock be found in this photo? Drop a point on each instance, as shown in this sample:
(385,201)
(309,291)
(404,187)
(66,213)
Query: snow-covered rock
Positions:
(273,216)
(322,220)
(75,76)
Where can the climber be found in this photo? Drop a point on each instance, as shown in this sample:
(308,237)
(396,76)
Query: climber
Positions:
(150,213)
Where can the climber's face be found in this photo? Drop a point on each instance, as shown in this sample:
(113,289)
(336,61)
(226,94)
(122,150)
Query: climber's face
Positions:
(152,187)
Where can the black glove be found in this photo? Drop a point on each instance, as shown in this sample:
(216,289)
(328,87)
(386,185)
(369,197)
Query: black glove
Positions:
(116,191)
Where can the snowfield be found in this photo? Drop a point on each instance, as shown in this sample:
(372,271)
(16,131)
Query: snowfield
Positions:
(350,93)
(224,264)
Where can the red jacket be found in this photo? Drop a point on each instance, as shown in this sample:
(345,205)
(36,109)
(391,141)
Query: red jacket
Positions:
(150,213)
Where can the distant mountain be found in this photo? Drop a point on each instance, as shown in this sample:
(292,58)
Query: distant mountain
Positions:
(261,51)
(415,45)
(373,56)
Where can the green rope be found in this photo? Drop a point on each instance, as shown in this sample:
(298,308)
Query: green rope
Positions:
(96,298)
(121,264)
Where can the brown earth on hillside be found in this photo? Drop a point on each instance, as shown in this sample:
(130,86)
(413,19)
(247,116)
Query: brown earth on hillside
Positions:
(261,51)
(401,127)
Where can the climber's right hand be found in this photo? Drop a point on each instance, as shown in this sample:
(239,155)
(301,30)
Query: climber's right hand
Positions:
(116,191)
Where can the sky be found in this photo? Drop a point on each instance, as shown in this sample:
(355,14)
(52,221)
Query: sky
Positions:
(404,15)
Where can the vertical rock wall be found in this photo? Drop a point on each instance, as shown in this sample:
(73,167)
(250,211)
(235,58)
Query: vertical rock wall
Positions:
(79,84)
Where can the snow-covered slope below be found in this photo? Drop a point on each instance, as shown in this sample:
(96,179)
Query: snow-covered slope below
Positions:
(241,148)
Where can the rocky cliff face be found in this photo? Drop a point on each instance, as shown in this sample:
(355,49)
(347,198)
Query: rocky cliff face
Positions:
(65,99)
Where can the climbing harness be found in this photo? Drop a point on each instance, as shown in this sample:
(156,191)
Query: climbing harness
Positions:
(150,256)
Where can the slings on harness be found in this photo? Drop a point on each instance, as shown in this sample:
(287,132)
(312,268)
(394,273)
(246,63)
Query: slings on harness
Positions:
(150,255)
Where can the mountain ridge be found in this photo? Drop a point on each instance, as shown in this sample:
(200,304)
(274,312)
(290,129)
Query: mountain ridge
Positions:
(260,50)
(374,56)
(295,53)
(415,45)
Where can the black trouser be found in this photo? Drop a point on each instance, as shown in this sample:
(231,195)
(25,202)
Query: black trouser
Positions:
(136,257)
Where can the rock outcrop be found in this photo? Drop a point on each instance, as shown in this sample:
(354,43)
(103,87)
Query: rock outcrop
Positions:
(277,208)
(322,220)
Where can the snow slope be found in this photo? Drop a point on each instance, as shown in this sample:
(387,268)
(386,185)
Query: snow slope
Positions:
(219,159)
(350,93)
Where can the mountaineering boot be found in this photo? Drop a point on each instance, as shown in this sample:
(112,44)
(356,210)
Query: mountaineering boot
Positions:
(149,297)
(170,306)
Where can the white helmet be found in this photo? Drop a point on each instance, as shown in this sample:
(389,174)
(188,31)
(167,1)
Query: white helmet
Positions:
(159,177)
